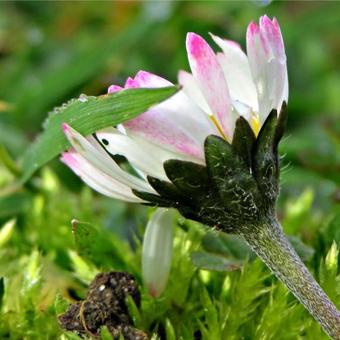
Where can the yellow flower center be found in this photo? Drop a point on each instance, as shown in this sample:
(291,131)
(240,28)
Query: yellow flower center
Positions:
(255,123)
(218,126)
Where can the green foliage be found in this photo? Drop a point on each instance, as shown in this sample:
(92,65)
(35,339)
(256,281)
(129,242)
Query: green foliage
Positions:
(47,262)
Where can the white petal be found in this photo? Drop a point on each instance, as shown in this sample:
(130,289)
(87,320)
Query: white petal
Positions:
(157,251)
(192,119)
(91,150)
(243,110)
(96,179)
(162,150)
(144,158)
(236,69)
(192,90)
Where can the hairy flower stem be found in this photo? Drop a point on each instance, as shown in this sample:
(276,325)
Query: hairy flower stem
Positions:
(271,245)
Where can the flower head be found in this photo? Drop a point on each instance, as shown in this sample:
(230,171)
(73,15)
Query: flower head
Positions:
(221,88)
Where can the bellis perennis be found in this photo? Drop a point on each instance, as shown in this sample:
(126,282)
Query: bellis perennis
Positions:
(222,87)
(211,152)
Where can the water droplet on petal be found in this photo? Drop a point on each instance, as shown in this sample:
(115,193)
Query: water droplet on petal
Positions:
(83,98)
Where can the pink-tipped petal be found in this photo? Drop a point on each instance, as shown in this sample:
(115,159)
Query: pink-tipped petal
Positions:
(130,83)
(147,79)
(252,30)
(68,159)
(96,179)
(267,61)
(210,77)
(65,127)
(271,35)
(114,88)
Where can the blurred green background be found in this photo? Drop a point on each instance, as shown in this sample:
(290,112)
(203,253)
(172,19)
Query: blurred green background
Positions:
(53,51)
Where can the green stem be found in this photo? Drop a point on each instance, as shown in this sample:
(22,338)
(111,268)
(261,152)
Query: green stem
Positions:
(271,245)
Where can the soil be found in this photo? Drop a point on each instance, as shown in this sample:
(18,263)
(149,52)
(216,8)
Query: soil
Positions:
(105,306)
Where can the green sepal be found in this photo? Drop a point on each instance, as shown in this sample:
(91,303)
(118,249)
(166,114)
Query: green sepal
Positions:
(190,178)
(265,139)
(244,140)
(190,191)
(223,162)
(153,199)
(265,160)
(165,189)
(281,125)
(231,176)
(218,155)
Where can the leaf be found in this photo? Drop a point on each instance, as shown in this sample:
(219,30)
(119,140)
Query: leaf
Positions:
(88,115)
(226,245)
(208,261)
(212,242)
(95,246)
